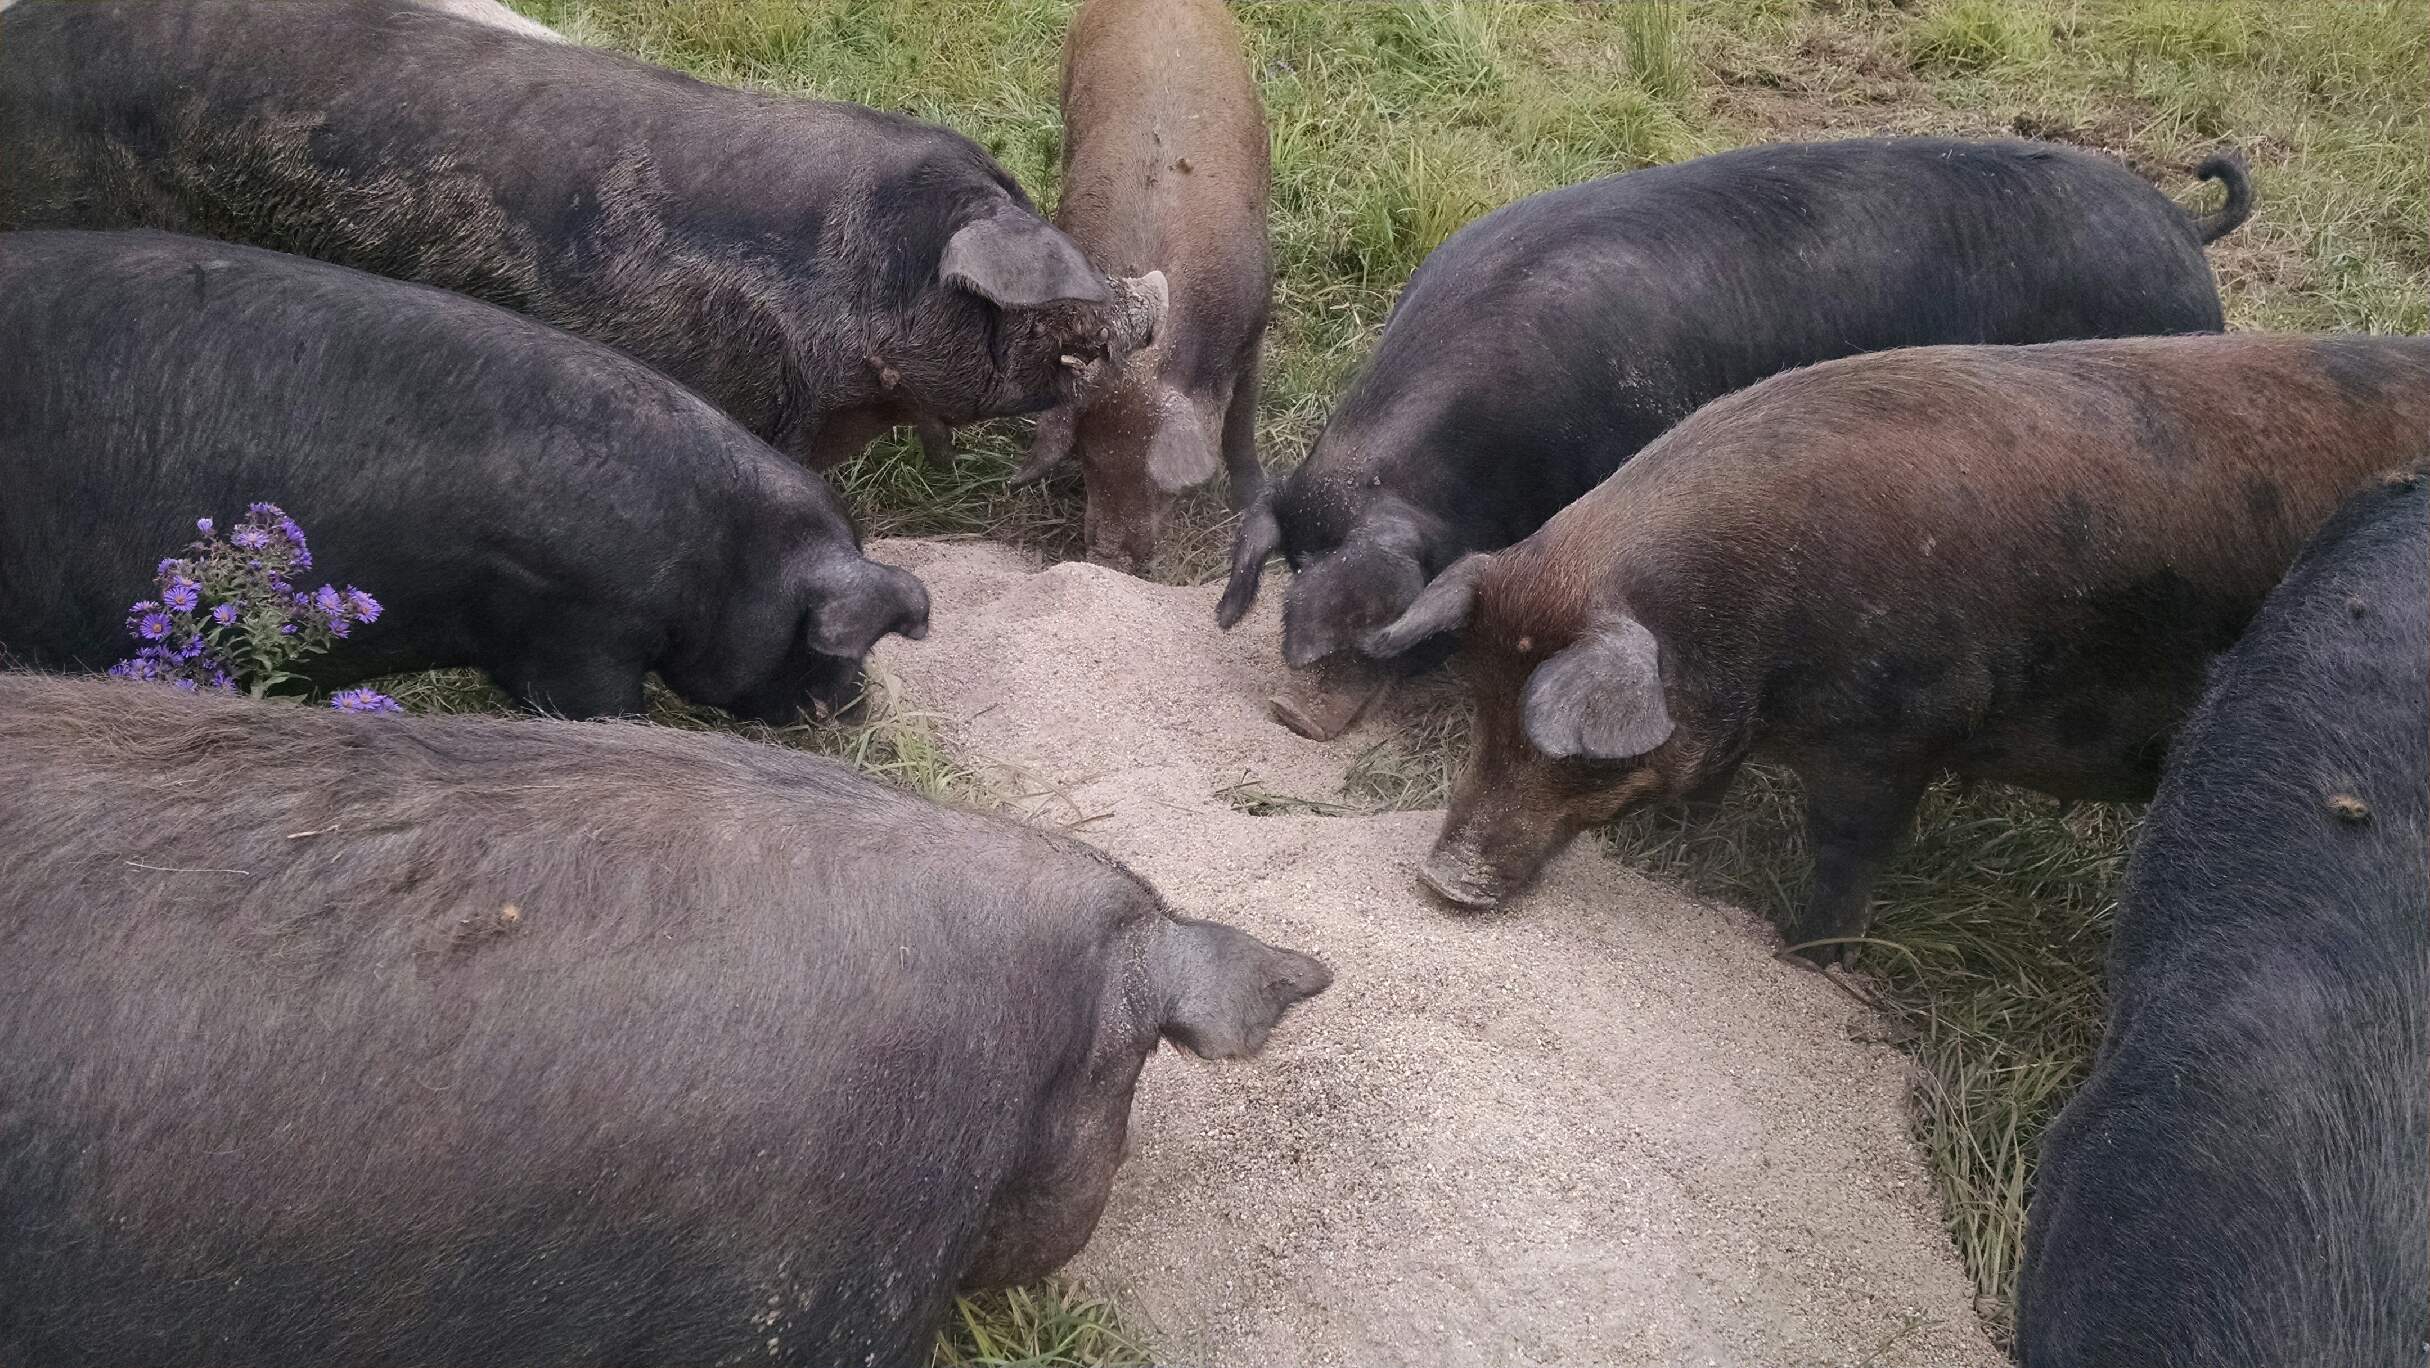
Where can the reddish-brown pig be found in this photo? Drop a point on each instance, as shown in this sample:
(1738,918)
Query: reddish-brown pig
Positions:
(2010,563)
(1164,164)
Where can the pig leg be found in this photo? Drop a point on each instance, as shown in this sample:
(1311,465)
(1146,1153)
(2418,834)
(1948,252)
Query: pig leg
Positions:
(936,443)
(1125,508)
(842,436)
(1701,804)
(1240,439)
(1856,819)
(1051,446)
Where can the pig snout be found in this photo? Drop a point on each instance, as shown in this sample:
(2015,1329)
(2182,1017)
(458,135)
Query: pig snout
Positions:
(1477,866)
(1139,307)
(1457,875)
(1133,321)
(837,690)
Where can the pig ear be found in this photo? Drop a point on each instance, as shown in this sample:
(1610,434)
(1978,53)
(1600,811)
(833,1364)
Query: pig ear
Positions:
(1260,536)
(1362,586)
(1224,989)
(1189,436)
(855,601)
(1017,260)
(1602,698)
(1443,607)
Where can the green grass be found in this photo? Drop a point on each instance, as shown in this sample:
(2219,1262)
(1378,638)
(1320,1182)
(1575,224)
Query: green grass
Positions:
(1968,37)
(1395,123)
(1051,1326)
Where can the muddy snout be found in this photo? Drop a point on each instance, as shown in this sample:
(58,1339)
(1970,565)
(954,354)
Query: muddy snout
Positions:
(1459,876)
(1479,863)
(1135,318)
(1139,304)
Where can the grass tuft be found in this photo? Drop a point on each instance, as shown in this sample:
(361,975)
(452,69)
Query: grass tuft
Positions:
(1052,1325)
(1250,795)
(1410,202)
(1971,37)
(1411,768)
(1654,35)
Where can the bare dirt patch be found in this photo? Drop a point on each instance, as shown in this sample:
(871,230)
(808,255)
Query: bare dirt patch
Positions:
(1605,1127)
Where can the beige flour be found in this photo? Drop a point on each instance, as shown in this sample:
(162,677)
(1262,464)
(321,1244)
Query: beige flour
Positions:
(1603,1127)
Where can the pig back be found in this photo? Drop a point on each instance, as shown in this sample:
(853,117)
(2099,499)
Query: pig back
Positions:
(1979,532)
(1547,342)
(625,202)
(459,461)
(667,1031)
(1165,166)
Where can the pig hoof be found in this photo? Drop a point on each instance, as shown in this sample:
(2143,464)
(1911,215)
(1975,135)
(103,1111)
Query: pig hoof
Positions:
(1466,894)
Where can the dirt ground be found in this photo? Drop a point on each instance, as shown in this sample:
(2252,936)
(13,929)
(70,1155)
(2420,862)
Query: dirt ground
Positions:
(1603,1127)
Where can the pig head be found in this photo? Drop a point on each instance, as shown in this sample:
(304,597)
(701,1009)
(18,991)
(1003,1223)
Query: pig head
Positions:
(1572,724)
(1014,321)
(1213,991)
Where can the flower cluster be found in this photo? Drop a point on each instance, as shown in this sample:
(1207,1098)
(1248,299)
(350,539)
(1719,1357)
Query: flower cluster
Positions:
(228,616)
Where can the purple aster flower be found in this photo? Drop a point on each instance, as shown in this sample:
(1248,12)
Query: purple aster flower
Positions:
(295,538)
(225,614)
(286,629)
(203,525)
(185,685)
(182,595)
(153,626)
(167,568)
(329,602)
(363,701)
(265,510)
(250,538)
(220,680)
(141,607)
(366,609)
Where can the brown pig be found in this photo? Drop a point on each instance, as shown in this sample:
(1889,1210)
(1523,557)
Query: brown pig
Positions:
(1164,165)
(2011,563)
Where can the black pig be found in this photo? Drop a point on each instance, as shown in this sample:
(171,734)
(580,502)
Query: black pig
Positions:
(523,500)
(820,271)
(1546,342)
(2241,1183)
(386,1041)
(2013,563)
